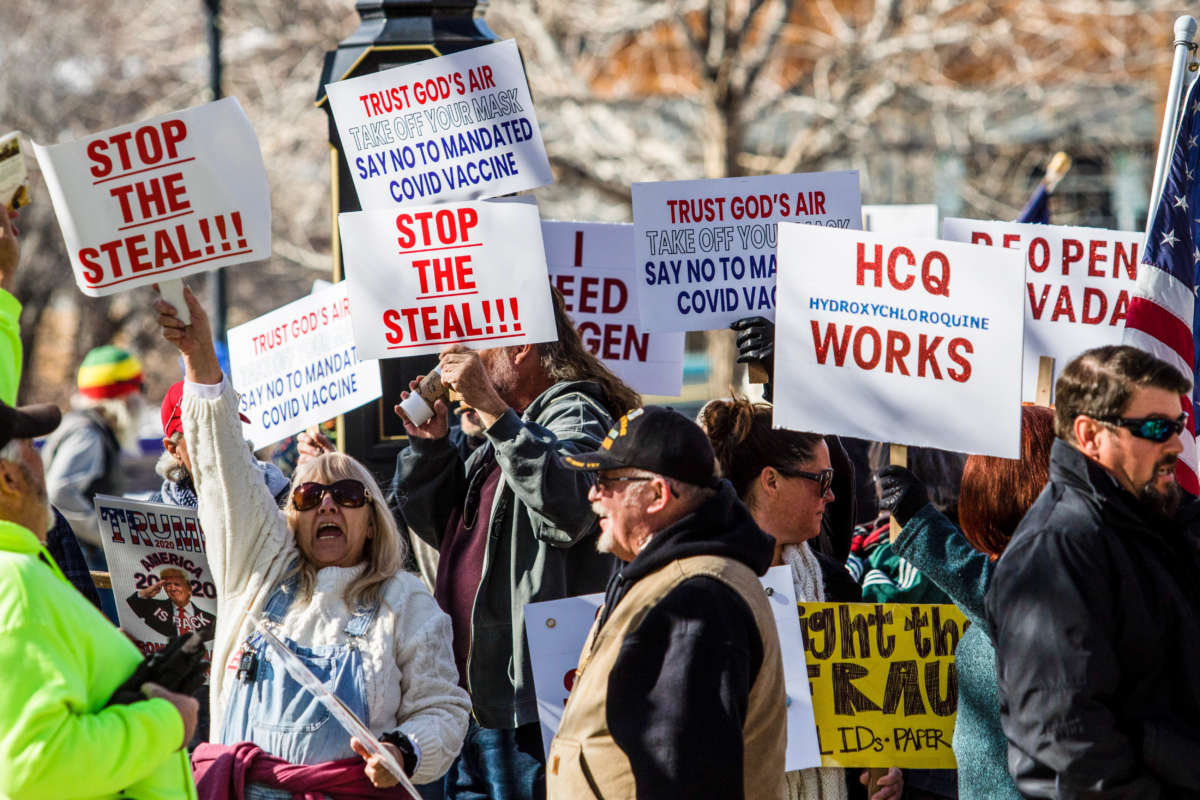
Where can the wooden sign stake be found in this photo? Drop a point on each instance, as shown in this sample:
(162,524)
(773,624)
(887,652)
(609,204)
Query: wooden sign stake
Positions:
(1045,381)
(898,458)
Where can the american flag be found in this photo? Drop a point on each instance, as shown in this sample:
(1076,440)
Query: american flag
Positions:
(1163,306)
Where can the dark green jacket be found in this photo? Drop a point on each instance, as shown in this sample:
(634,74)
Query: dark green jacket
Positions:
(542,533)
(932,544)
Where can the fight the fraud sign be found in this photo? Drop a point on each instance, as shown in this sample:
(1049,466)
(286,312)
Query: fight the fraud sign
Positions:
(172,196)
(899,339)
(424,277)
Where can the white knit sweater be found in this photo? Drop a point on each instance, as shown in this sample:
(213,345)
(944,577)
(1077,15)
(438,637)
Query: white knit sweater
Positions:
(411,679)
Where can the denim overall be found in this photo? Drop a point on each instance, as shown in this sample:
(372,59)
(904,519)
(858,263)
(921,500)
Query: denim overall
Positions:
(276,713)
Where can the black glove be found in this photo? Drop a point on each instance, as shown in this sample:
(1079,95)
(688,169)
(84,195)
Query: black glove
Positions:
(756,344)
(178,667)
(402,743)
(901,493)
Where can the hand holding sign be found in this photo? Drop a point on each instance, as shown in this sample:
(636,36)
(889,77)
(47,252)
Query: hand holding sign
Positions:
(194,341)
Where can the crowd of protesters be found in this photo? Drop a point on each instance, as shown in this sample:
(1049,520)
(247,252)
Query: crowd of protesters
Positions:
(1076,566)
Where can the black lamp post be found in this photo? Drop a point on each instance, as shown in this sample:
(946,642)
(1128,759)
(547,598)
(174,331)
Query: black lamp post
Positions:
(391,33)
(216,278)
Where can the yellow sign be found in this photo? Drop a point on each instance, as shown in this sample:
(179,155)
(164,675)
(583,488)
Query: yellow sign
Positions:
(883,682)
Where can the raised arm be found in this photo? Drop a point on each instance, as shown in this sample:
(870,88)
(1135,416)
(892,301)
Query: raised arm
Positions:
(244,529)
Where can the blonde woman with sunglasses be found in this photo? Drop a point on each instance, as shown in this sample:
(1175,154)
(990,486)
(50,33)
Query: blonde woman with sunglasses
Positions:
(325,573)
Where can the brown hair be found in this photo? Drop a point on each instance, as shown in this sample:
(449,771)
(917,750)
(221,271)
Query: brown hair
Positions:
(745,443)
(996,492)
(1099,382)
(568,360)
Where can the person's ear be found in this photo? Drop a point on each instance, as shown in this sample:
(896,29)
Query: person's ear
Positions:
(768,481)
(662,495)
(521,353)
(170,446)
(12,481)
(1087,433)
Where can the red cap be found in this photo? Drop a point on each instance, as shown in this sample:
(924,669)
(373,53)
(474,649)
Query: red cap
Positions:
(172,411)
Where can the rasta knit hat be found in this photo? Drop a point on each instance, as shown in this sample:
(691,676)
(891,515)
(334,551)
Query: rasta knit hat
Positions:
(108,372)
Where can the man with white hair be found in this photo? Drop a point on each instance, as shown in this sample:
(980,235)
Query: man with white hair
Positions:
(62,661)
(679,690)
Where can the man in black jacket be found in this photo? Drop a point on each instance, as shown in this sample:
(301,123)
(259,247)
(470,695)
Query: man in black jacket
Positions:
(1095,605)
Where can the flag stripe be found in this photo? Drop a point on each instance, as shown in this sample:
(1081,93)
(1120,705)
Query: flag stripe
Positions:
(1163,327)
(1165,291)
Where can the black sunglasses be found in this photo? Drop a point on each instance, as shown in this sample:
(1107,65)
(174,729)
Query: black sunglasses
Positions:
(824,478)
(347,493)
(1154,429)
(606,483)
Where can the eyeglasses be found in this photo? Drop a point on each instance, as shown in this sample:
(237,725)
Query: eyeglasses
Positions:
(1154,429)
(605,483)
(347,493)
(824,478)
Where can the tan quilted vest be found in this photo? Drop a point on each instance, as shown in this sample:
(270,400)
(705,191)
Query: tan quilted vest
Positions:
(585,761)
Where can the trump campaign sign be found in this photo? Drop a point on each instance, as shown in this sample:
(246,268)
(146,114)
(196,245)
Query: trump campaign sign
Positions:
(705,250)
(458,127)
(425,277)
(178,194)
(298,366)
(591,264)
(1077,285)
(899,339)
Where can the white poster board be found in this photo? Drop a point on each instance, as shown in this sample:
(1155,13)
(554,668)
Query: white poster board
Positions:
(899,339)
(705,250)
(916,219)
(591,263)
(160,576)
(1077,285)
(297,366)
(557,630)
(458,127)
(430,276)
(172,196)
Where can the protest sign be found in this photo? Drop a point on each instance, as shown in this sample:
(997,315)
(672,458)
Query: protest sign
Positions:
(465,273)
(458,127)
(557,630)
(178,194)
(1077,285)
(884,683)
(160,575)
(592,264)
(705,250)
(899,339)
(297,366)
(908,220)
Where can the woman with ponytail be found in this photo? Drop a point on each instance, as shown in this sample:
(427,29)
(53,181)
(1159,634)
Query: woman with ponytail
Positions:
(784,478)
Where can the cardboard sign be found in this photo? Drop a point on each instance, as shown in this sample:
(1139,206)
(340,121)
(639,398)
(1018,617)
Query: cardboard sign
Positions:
(884,683)
(1077,285)
(459,127)
(591,263)
(175,195)
(557,630)
(705,250)
(907,220)
(297,366)
(466,273)
(911,341)
(160,575)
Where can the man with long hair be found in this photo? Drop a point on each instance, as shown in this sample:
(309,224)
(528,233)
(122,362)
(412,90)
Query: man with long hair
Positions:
(513,526)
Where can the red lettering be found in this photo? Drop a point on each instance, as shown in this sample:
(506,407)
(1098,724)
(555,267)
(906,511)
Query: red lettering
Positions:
(1072,254)
(897,348)
(822,346)
(964,374)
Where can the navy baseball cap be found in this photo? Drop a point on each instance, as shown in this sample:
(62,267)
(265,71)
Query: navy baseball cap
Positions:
(657,439)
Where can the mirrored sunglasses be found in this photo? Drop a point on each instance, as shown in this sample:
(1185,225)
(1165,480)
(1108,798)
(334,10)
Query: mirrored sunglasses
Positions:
(1154,429)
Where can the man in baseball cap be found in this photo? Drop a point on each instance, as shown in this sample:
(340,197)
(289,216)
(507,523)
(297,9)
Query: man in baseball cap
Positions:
(62,660)
(679,690)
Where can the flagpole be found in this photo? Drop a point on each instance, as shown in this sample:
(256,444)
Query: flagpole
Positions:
(1185,32)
